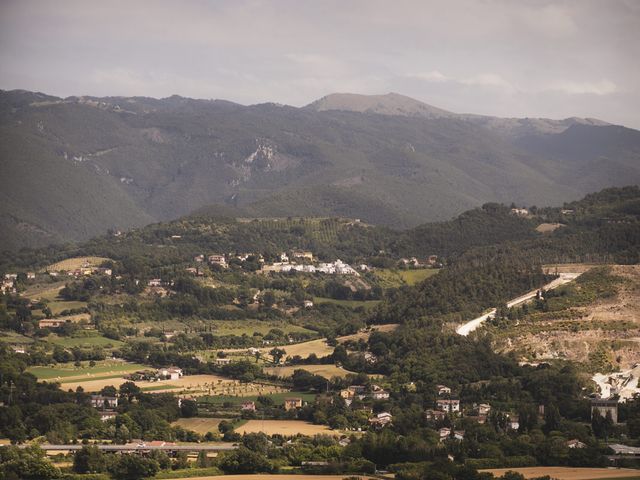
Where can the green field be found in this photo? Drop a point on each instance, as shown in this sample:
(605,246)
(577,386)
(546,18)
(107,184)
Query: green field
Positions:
(392,278)
(69,370)
(347,303)
(84,339)
(278,398)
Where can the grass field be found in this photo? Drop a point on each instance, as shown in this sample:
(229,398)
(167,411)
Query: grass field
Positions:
(326,371)
(569,473)
(84,338)
(49,293)
(77,262)
(284,427)
(70,372)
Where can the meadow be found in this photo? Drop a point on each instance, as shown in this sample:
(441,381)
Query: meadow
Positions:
(284,427)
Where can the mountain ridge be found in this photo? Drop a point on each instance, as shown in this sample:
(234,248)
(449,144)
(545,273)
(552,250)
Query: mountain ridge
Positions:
(75,167)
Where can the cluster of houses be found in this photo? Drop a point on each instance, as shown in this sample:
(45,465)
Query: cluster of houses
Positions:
(8,284)
(430,261)
(361,392)
(165,373)
(295,261)
(331,268)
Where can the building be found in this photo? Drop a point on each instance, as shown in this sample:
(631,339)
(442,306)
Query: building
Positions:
(170,373)
(380,395)
(51,323)
(435,415)
(308,304)
(520,212)
(513,422)
(223,361)
(216,259)
(248,406)
(31,275)
(448,405)
(292,403)
(155,282)
(605,406)
(105,416)
(444,433)
(380,420)
(303,254)
(443,390)
(104,402)
(575,444)
(484,409)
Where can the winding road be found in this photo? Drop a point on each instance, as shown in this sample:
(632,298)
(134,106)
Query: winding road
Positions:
(472,325)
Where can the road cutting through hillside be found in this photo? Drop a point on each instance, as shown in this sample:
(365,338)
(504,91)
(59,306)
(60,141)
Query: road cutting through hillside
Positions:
(474,324)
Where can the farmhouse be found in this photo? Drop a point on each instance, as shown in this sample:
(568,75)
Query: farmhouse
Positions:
(170,373)
(448,405)
(249,406)
(292,403)
(605,406)
(155,282)
(217,259)
(51,323)
(484,409)
(103,402)
(198,258)
(223,361)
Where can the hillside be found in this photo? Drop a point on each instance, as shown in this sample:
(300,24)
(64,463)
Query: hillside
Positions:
(74,168)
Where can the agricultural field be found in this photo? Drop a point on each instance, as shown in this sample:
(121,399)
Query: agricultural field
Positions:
(284,427)
(393,278)
(198,425)
(569,473)
(304,349)
(326,371)
(77,262)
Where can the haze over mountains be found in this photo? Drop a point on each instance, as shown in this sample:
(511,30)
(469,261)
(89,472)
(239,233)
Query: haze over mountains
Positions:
(73,168)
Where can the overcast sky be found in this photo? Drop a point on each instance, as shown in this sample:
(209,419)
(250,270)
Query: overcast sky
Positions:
(508,58)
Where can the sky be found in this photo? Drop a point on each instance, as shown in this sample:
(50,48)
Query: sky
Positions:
(522,58)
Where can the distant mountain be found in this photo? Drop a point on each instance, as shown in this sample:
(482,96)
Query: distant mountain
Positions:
(73,168)
(389,104)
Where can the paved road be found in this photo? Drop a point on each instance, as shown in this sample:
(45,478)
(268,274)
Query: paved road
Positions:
(472,325)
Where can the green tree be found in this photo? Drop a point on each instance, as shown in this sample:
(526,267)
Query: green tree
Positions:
(89,460)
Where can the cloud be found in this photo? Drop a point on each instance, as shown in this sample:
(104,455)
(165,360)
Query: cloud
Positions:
(603,87)
(485,80)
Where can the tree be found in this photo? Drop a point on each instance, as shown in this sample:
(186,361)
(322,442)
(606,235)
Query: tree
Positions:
(188,408)
(134,467)
(244,460)
(277,354)
(26,464)
(89,460)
